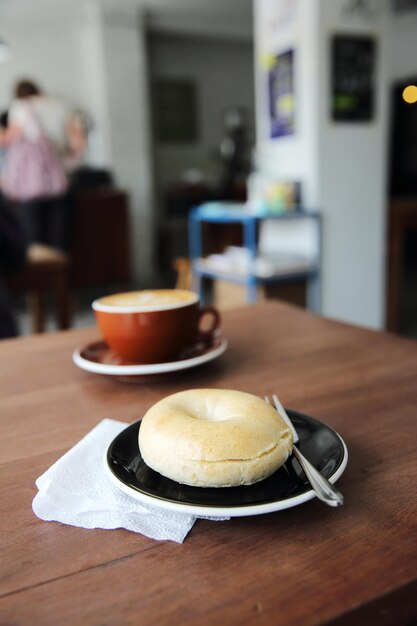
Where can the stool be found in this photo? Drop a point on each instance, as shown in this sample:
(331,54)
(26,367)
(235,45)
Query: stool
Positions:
(46,270)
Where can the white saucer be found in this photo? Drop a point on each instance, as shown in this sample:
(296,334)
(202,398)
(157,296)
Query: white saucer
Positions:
(97,358)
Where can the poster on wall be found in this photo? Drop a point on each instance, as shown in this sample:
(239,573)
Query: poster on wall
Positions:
(281,95)
(353,77)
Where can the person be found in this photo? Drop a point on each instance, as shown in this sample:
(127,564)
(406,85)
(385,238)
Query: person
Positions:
(4,121)
(44,141)
(12,258)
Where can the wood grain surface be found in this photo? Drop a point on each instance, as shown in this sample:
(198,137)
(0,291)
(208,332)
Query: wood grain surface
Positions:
(307,565)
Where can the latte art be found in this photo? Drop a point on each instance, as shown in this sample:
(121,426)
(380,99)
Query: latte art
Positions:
(148,300)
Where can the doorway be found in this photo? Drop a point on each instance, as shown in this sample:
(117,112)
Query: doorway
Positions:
(402,213)
(195,83)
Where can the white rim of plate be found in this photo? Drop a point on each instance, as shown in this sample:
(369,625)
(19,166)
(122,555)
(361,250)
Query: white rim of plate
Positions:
(150,368)
(217,511)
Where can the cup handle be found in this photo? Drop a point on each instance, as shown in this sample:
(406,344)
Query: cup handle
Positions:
(207,336)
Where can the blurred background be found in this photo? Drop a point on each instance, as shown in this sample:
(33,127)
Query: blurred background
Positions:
(277,105)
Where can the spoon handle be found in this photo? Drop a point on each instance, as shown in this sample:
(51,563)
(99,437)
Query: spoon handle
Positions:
(325,491)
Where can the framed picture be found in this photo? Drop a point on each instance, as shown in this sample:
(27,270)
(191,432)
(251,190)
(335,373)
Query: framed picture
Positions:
(353,77)
(281,95)
(175,110)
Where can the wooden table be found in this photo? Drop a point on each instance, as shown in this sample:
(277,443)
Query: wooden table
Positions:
(307,565)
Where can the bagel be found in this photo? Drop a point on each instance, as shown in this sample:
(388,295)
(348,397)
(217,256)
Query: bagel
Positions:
(214,438)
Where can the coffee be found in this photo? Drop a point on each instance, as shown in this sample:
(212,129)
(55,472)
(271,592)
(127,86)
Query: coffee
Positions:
(155,325)
(154,299)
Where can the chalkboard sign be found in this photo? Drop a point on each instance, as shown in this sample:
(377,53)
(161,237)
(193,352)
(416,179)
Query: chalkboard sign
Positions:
(353,78)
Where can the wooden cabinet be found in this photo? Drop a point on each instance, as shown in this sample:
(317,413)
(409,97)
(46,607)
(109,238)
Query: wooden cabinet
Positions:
(402,222)
(99,248)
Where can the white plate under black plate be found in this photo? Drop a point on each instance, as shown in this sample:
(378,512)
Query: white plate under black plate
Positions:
(286,488)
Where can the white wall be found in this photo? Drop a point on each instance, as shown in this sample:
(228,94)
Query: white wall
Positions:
(127,96)
(222,72)
(403,45)
(91,69)
(353,159)
(342,166)
(276,31)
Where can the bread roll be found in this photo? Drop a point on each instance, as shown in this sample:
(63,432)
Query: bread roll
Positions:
(214,438)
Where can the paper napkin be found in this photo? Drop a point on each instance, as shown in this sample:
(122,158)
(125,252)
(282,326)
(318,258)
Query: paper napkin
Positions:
(77,491)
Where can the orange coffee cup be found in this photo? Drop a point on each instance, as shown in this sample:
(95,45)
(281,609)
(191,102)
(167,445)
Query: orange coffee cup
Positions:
(153,326)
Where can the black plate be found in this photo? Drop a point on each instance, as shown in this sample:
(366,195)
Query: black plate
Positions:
(319,443)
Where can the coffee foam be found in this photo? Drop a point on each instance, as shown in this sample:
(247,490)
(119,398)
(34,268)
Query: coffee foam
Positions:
(146,300)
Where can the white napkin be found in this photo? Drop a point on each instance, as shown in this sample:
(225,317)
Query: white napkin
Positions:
(77,491)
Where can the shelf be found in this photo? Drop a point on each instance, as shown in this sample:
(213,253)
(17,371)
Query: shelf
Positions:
(227,213)
(203,269)
(235,278)
(223,212)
